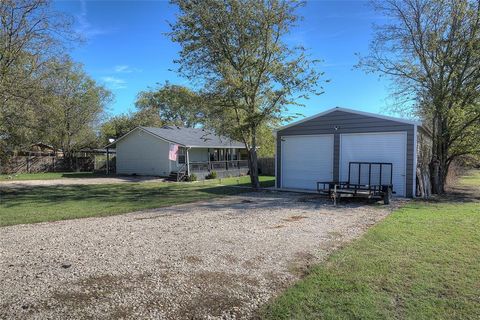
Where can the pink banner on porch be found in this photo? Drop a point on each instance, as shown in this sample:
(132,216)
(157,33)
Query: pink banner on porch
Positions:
(172,154)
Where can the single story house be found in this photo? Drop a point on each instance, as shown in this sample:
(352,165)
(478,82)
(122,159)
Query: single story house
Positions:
(320,148)
(177,152)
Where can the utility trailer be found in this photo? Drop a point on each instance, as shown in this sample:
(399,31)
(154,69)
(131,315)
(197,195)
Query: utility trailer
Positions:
(372,180)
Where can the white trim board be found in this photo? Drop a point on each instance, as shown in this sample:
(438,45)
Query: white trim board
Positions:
(275,154)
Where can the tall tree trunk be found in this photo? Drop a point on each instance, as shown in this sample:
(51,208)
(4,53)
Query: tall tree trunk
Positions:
(439,171)
(253,165)
(253,161)
(439,164)
(434,177)
(438,174)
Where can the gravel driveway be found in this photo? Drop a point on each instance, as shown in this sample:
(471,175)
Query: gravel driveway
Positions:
(216,259)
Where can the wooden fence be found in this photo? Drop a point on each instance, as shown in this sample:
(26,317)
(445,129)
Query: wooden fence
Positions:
(44,163)
(266,166)
(100,163)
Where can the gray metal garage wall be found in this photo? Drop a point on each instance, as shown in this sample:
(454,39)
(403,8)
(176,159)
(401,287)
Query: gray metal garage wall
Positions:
(347,122)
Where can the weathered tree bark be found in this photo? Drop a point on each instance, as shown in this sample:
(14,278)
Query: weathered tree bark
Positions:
(440,150)
(253,163)
(439,168)
(435,177)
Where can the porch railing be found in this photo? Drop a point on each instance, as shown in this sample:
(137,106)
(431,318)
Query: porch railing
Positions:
(218,165)
(182,173)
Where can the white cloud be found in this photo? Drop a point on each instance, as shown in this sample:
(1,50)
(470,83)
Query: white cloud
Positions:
(115,83)
(123,68)
(85,28)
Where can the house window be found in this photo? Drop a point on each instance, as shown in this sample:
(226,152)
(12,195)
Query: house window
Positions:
(181,156)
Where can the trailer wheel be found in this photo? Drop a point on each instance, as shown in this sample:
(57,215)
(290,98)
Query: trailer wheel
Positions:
(387,196)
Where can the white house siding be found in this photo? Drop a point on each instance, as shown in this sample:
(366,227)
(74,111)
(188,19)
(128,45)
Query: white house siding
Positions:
(143,154)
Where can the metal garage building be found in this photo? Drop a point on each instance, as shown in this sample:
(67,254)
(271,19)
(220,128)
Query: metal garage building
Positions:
(319,148)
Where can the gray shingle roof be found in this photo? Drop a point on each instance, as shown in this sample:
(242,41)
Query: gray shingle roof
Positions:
(193,137)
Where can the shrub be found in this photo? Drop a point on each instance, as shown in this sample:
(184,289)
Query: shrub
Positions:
(192,177)
(211,175)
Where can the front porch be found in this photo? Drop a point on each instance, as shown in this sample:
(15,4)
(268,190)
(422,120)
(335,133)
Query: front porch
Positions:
(226,162)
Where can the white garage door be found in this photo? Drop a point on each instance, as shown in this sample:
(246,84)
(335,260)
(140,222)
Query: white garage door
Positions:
(306,160)
(375,147)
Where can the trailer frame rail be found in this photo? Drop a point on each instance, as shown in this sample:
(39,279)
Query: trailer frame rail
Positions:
(374,188)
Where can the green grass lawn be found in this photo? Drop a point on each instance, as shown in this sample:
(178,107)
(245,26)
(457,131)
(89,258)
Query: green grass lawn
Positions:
(49,175)
(39,204)
(421,262)
(471,179)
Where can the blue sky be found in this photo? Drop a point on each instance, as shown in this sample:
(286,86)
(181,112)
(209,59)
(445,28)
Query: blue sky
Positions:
(127,50)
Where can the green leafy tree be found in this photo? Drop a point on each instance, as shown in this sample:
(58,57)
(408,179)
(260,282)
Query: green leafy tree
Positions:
(115,127)
(119,125)
(31,34)
(431,50)
(174,104)
(77,104)
(236,51)
(266,142)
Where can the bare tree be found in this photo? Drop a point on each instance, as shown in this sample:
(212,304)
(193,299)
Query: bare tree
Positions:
(431,50)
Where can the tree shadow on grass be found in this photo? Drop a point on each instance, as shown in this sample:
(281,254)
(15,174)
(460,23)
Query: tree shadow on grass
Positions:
(83,175)
(458,194)
(86,175)
(117,194)
(139,196)
(135,197)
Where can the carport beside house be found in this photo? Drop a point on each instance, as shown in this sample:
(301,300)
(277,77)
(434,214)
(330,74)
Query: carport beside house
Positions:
(320,148)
